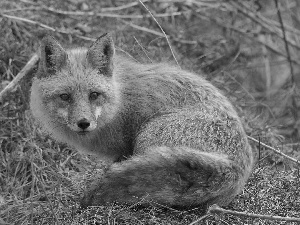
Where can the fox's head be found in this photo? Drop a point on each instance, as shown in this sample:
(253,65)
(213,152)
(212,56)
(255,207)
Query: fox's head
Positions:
(74,90)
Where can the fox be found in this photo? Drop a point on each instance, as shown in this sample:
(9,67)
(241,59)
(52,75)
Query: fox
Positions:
(168,135)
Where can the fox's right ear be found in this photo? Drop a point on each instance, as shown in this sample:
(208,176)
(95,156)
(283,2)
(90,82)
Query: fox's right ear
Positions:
(52,56)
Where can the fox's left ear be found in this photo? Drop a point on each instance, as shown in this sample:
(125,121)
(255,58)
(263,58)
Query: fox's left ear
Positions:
(100,54)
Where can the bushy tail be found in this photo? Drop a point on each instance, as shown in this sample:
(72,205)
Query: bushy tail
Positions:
(174,176)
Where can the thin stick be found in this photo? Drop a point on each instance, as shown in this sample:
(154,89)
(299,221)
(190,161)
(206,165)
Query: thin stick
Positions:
(200,219)
(267,64)
(275,150)
(285,39)
(29,65)
(105,9)
(143,49)
(162,30)
(122,7)
(109,15)
(20,9)
(145,29)
(294,102)
(28,21)
(218,210)
(46,26)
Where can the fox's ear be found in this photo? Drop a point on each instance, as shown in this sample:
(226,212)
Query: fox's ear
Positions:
(100,54)
(52,56)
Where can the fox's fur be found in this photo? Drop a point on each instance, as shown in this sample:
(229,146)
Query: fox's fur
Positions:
(171,136)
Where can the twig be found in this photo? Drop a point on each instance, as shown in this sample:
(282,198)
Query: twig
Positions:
(162,30)
(266,64)
(47,27)
(200,219)
(214,209)
(294,102)
(145,29)
(28,21)
(275,150)
(109,15)
(285,40)
(105,9)
(20,9)
(143,49)
(29,65)
(122,7)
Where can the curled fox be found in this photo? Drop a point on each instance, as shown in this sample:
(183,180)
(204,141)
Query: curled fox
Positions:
(170,135)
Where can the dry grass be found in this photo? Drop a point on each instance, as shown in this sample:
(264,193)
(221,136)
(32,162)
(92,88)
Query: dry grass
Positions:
(41,181)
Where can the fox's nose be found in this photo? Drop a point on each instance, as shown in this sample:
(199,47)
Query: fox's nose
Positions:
(83,124)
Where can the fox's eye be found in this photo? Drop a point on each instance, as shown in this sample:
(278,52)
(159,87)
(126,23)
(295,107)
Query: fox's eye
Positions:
(94,95)
(65,97)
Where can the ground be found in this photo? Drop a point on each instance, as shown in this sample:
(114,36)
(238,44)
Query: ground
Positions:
(243,54)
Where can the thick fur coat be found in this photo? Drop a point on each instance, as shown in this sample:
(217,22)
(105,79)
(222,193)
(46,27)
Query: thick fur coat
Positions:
(170,135)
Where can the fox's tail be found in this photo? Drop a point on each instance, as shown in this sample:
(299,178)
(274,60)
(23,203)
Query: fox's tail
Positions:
(176,176)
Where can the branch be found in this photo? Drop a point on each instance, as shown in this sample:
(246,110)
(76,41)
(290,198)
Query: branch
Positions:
(162,30)
(109,15)
(275,150)
(285,39)
(214,209)
(29,65)
(294,101)
(46,27)
(122,7)
(145,29)
(105,9)
(200,219)
(267,65)
(20,9)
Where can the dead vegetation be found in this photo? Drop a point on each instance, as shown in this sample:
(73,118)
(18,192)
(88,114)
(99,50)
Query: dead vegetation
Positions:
(249,49)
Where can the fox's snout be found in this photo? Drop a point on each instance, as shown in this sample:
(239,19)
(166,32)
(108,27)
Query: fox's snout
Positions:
(79,121)
(83,124)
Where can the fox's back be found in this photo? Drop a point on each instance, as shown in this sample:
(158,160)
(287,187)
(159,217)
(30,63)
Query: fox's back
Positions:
(183,100)
(162,87)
